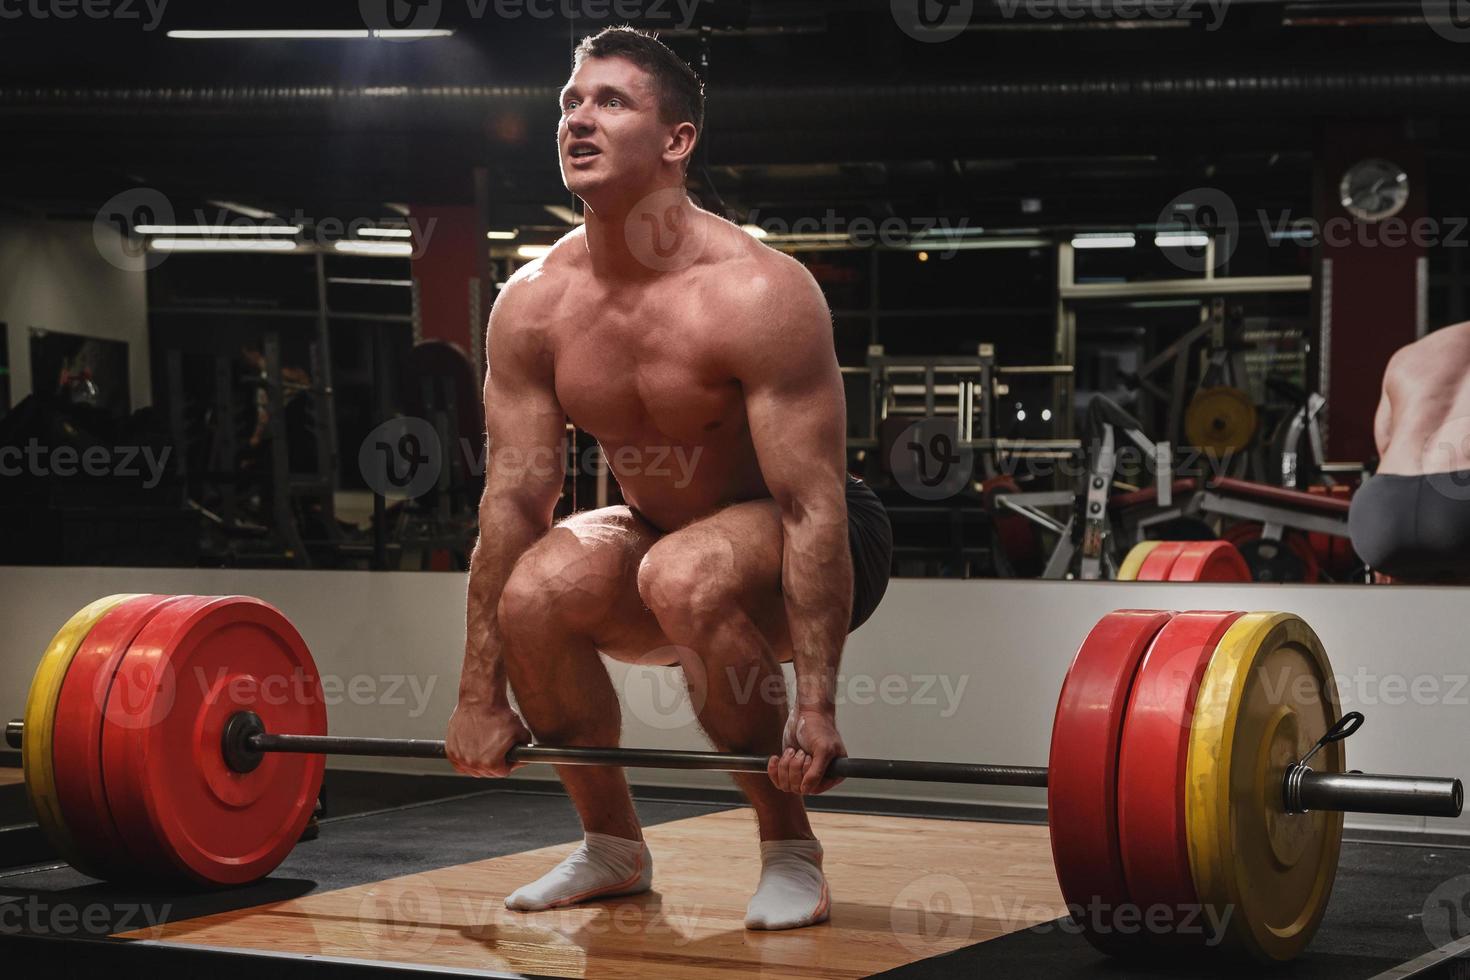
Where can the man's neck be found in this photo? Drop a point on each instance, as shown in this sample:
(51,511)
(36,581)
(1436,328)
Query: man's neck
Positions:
(643,238)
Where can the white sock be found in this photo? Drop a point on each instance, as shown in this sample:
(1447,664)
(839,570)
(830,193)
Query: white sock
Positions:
(793,891)
(601,867)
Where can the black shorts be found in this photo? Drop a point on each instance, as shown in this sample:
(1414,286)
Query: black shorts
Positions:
(1414,527)
(870,539)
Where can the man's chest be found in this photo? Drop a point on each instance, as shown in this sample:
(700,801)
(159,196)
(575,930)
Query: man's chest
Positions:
(652,369)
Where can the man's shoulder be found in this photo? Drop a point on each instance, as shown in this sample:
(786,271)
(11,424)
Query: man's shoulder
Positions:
(541,282)
(756,278)
(1447,348)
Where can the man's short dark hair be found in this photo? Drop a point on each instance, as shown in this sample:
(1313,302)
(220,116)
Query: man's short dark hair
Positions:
(680,92)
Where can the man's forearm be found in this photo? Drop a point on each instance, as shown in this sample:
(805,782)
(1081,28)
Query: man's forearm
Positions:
(505,534)
(817,581)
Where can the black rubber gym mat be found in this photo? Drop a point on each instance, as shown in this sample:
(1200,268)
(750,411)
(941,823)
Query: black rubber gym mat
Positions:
(1374,922)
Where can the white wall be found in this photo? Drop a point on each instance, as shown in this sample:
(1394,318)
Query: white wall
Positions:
(53,276)
(1008,642)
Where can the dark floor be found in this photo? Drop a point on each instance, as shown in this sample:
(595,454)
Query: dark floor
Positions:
(384,826)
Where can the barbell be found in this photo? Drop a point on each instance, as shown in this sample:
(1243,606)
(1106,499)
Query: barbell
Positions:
(183,738)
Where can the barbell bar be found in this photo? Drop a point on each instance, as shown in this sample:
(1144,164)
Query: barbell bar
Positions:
(245,741)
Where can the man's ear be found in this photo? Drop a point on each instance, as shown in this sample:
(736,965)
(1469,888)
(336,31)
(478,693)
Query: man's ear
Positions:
(680,147)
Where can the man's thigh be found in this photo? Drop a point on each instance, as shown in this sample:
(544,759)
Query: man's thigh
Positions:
(744,544)
(610,543)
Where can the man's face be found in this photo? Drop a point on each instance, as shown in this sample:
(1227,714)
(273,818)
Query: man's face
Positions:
(610,134)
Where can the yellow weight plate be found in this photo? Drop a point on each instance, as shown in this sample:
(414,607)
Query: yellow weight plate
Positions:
(1220,420)
(1128,571)
(40,717)
(1266,697)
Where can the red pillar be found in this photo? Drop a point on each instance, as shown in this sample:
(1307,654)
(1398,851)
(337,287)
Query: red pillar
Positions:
(1368,284)
(452,266)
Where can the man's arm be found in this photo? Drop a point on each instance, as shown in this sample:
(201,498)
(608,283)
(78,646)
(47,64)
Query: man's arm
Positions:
(525,428)
(798,421)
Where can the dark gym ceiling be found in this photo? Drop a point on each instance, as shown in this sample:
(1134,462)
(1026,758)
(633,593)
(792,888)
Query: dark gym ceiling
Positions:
(814,104)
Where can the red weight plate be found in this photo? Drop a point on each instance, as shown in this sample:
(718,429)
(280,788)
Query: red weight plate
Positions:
(76,742)
(1246,531)
(1155,567)
(1081,799)
(1152,774)
(1209,561)
(175,801)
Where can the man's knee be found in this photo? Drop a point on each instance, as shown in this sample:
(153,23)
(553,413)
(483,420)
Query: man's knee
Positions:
(556,583)
(689,587)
